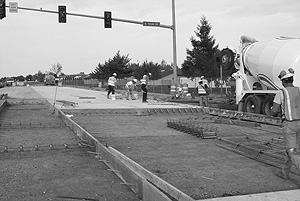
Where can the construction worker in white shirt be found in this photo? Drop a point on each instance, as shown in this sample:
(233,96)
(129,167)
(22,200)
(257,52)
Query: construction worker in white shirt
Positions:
(145,82)
(129,88)
(205,82)
(203,91)
(287,101)
(111,84)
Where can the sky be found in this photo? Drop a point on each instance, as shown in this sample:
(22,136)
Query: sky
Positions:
(33,41)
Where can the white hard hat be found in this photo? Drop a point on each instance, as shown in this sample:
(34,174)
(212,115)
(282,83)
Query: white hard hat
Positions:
(286,74)
(115,74)
(150,74)
(202,77)
(135,80)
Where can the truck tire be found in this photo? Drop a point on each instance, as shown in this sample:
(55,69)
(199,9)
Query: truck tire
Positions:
(253,104)
(227,59)
(267,105)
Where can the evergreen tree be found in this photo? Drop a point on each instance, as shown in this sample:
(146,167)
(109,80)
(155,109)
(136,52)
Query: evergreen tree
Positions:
(138,70)
(201,59)
(118,64)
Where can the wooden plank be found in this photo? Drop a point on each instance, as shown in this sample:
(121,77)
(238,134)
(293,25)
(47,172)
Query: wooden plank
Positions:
(3,103)
(151,193)
(129,171)
(127,175)
(168,188)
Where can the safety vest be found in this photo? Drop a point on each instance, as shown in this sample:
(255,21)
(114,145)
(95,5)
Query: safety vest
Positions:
(291,103)
(201,90)
(112,81)
(204,81)
(145,79)
(130,85)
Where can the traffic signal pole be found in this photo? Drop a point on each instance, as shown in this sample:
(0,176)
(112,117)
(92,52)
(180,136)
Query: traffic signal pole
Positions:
(174,44)
(93,16)
(154,24)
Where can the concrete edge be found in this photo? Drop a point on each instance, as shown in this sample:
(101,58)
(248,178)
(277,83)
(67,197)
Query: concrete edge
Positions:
(292,195)
(3,103)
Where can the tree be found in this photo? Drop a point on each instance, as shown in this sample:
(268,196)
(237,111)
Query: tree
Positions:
(201,59)
(40,76)
(56,69)
(29,77)
(20,78)
(153,68)
(118,64)
(165,66)
(147,67)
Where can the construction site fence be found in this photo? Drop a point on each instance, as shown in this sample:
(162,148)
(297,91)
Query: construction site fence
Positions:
(157,86)
(163,87)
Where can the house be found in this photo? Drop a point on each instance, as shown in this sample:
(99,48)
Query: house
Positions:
(167,78)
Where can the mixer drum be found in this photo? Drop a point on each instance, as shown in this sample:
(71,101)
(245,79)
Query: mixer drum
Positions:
(265,60)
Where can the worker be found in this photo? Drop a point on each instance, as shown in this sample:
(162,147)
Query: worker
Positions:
(287,101)
(178,94)
(111,84)
(129,88)
(203,91)
(145,82)
(204,80)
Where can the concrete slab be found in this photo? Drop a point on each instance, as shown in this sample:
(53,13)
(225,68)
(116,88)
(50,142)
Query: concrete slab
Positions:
(90,99)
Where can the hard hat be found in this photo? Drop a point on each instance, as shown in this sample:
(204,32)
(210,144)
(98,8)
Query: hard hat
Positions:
(286,74)
(135,80)
(202,77)
(150,74)
(115,74)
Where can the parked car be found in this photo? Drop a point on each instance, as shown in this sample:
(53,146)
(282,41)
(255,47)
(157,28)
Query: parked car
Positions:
(10,81)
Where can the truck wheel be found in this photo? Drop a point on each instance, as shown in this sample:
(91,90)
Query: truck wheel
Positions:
(227,60)
(267,105)
(253,104)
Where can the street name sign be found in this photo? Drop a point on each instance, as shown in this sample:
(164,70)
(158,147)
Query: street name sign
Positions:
(153,24)
(13,7)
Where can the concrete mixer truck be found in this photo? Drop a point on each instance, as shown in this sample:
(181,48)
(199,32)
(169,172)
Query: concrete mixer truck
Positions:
(258,65)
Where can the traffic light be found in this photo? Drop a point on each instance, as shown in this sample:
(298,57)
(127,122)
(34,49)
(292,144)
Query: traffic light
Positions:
(2,9)
(107,19)
(62,14)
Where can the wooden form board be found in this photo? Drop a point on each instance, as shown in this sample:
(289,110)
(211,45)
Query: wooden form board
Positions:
(3,103)
(138,179)
(168,188)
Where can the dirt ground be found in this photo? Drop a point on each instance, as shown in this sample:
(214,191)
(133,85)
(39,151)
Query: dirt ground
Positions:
(58,174)
(196,166)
